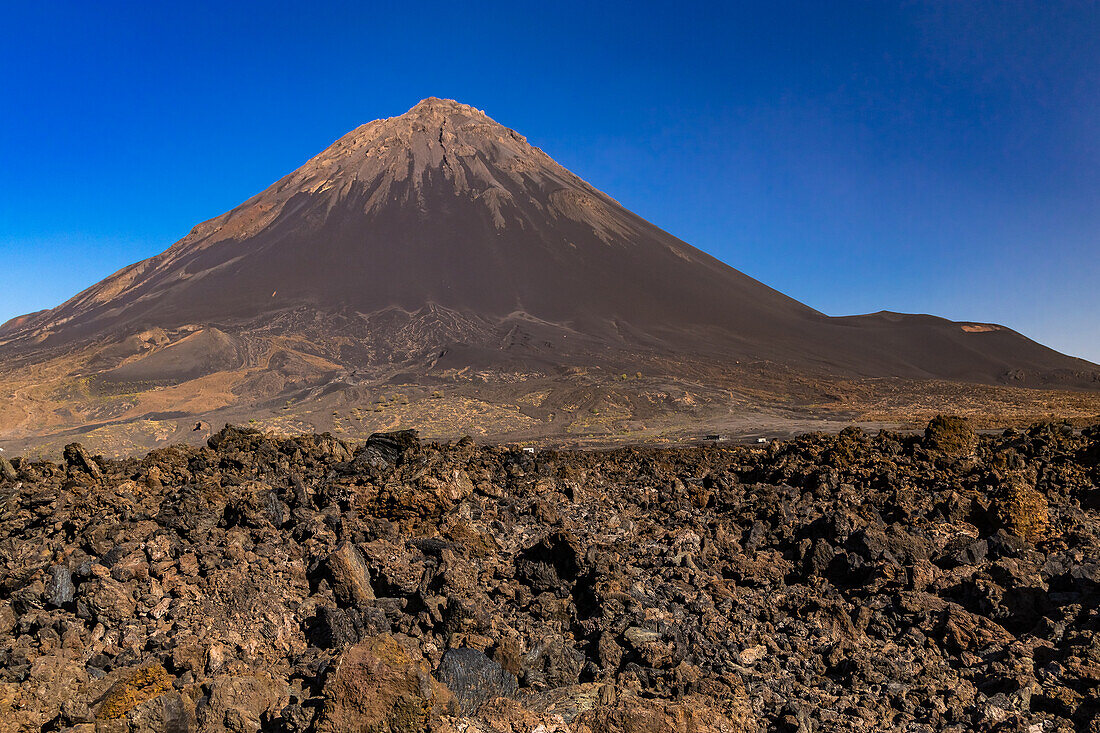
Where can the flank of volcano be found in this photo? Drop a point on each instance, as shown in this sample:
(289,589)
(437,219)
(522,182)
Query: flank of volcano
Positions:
(439,265)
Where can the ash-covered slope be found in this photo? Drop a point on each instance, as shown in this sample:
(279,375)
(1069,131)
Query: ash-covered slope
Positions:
(438,206)
(480,239)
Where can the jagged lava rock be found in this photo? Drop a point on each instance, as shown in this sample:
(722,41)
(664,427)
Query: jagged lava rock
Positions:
(847,582)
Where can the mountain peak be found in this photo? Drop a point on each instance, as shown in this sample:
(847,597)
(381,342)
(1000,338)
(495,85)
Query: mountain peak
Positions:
(423,133)
(444,107)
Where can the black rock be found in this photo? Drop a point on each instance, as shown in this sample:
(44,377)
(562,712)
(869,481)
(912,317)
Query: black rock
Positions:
(392,446)
(230,434)
(59,588)
(549,564)
(333,629)
(295,719)
(963,551)
(432,546)
(474,678)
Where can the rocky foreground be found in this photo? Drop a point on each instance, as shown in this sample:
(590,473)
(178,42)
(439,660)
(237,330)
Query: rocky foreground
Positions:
(851,582)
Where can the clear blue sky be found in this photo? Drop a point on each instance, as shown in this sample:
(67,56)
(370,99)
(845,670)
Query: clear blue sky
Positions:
(938,157)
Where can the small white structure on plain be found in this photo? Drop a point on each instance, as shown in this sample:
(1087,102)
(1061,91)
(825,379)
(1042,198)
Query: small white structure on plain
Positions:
(528,450)
(761,440)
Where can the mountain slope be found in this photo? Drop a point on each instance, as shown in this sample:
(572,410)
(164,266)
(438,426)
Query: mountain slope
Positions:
(441,205)
(439,241)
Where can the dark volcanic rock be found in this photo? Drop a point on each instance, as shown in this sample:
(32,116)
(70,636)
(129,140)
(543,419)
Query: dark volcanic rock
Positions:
(77,459)
(59,588)
(391,446)
(826,583)
(349,576)
(474,679)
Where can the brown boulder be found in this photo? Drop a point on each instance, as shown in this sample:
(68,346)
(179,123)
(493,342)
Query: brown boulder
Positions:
(384,685)
(239,704)
(952,436)
(348,572)
(1022,509)
(32,703)
(77,459)
(109,600)
(7,471)
(133,689)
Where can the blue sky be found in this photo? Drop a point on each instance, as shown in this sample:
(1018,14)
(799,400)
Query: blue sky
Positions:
(936,157)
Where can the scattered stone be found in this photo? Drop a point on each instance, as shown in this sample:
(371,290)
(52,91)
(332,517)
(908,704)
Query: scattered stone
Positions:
(474,679)
(59,588)
(951,435)
(78,460)
(1022,509)
(349,575)
(136,687)
(7,471)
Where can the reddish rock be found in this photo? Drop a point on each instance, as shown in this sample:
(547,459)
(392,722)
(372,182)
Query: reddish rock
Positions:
(384,684)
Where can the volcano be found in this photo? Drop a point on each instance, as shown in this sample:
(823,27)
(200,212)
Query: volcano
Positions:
(439,243)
